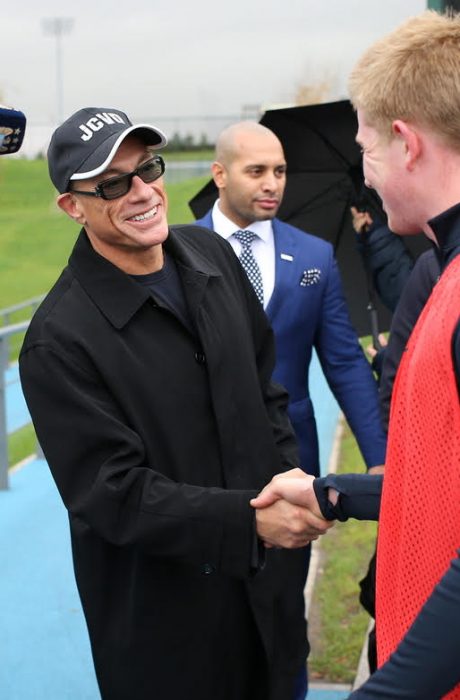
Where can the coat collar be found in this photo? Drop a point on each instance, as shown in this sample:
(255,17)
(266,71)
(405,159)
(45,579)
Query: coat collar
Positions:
(118,296)
(446,227)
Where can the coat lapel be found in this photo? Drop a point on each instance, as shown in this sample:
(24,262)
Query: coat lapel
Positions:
(194,268)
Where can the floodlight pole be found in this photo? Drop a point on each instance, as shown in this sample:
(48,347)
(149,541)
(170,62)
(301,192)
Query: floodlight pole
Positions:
(57,26)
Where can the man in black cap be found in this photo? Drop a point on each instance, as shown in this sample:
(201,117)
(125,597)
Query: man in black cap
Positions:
(147,373)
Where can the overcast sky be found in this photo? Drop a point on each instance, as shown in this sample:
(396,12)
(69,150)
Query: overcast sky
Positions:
(185,57)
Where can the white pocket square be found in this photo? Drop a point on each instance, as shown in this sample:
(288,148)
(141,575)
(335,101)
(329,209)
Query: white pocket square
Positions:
(310,277)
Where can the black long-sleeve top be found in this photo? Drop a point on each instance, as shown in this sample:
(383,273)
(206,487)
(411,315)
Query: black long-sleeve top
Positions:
(388,259)
(426,663)
(413,298)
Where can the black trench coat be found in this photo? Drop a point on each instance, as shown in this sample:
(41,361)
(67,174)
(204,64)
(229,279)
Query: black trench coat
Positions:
(157,439)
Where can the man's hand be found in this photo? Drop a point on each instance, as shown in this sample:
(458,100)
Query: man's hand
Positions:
(286,525)
(287,512)
(361,220)
(378,469)
(294,486)
(372,351)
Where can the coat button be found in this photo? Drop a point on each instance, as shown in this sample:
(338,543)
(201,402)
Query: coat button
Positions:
(208,569)
(200,358)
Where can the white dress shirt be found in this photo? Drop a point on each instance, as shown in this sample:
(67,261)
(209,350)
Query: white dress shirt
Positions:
(263,247)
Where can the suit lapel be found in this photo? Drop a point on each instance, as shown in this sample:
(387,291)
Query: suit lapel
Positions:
(286,248)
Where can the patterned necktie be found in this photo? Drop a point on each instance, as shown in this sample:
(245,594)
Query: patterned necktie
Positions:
(249,262)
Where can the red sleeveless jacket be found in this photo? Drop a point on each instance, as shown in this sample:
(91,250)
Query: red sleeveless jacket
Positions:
(419,530)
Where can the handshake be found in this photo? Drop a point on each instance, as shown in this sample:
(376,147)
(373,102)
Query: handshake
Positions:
(287,511)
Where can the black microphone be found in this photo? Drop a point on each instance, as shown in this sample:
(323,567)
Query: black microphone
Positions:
(12,129)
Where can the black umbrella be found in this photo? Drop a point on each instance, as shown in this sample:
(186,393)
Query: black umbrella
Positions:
(325,179)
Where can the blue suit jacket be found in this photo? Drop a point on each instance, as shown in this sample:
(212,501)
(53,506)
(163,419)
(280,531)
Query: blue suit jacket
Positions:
(307,309)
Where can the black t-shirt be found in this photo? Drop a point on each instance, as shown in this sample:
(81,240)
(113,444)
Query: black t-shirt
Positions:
(165,287)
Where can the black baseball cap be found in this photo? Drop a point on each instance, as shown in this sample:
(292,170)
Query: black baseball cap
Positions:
(86,143)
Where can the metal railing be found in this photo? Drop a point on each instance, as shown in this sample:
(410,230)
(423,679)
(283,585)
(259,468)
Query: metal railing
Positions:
(5,334)
(7,330)
(7,313)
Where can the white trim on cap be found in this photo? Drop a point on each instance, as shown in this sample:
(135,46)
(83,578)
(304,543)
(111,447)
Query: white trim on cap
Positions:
(110,157)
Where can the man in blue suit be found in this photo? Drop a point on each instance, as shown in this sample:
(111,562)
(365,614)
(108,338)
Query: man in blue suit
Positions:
(302,292)
(296,278)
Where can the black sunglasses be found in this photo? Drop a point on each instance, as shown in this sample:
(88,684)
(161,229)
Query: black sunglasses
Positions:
(119,185)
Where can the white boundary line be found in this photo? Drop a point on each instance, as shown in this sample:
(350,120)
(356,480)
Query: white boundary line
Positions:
(22,463)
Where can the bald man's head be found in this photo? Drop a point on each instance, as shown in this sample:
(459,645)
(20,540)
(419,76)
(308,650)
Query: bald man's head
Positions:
(235,137)
(250,172)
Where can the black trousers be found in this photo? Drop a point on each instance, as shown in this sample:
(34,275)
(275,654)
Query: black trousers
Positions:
(367,600)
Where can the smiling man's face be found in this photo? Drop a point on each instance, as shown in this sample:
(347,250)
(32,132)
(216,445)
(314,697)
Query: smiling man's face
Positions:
(129,230)
(386,171)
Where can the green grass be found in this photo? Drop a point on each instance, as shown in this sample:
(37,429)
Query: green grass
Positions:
(338,623)
(21,444)
(179,194)
(187,155)
(35,238)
